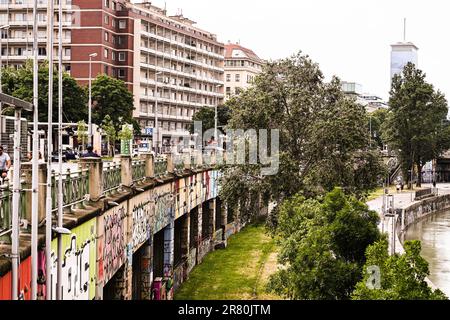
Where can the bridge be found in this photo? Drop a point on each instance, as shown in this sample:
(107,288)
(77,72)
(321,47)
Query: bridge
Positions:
(137,227)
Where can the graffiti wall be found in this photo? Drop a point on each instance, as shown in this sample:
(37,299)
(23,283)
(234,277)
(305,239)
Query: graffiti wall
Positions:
(143,219)
(164,207)
(112,228)
(78,266)
(24,282)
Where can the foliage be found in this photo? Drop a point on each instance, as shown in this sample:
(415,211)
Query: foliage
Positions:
(111,97)
(324,140)
(377,118)
(416,125)
(82,134)
(207,116)
(323,242)
(126,133)
(19,83)
(111,134)
(402,277)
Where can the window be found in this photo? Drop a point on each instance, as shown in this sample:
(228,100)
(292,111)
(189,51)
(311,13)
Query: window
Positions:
(122,24)
(121,73)
(105,53)
(107,3)
(113,55)
(106,69)
(237,77)
(67,52)
(121,56)
(106,36)
(113,22)
(228,77)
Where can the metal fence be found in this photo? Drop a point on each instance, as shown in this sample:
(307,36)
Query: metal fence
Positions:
(75,188)
(423,193)
(160,168)
(112,177)
(6,210)
(138,170)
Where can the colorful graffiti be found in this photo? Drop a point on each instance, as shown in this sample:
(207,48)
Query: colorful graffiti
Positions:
(78,265)
(164,209)
(24,282)
(114,233)
(142,223)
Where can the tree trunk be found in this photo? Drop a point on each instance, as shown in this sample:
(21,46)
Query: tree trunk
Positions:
(419,176)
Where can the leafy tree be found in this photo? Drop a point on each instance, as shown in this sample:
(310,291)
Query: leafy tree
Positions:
(111,134)
(324,141)
(322,246)
(416,124)
(19,83)
(207,116)
(377,118)
(111,97)
(82,134)
(401,277)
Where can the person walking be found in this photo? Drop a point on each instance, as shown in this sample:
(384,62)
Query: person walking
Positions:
(90,153)
(5,163)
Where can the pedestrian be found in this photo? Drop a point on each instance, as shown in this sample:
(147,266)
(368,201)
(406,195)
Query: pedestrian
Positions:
(90,153)
(5,163)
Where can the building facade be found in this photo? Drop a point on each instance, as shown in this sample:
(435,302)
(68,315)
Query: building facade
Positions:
(241,67)
(370,101)
(172,67)
(401,54)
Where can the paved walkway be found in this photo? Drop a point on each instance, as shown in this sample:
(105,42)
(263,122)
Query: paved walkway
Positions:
(401,200)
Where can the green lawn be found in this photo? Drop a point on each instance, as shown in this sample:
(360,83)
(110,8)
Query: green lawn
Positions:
(238,272)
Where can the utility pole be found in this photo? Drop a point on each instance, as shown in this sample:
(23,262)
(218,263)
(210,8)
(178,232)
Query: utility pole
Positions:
(48,215)
(156,131)
(60,182)
(17,188)
(35,164)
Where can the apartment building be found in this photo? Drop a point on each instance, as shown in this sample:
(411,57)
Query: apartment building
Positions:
(166,61)
(241,67)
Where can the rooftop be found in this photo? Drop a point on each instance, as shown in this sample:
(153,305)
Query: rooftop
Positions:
(238,51)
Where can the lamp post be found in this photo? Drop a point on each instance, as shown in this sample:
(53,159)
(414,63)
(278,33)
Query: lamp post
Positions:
(156,131)
(4,27)
(60,181)
(35,164)
(48,205)
(92,55)
(216,117)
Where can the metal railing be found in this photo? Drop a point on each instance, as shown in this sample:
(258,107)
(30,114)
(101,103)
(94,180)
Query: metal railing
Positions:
(6,210)
(138,170)
(423,193)
(160,168)
(75,188)
(112,177)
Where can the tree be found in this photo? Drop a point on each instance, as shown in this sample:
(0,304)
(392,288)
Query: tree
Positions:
(19,83)
(416,124)
(111,134)
(207,116)
(324,141)
(400,277)
(377,118)
(323,243)
(82,134)
(111,97)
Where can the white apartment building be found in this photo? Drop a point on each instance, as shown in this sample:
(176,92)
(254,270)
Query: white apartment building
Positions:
(241,67)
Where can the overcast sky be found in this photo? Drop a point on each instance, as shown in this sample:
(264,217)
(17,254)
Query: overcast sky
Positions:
(348,38)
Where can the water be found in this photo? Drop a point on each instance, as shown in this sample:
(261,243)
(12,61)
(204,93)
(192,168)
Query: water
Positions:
(434,233)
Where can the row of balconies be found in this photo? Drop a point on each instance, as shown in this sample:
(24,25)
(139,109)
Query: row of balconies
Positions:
(181,73)
(192,103)
(182,44)
(146,81)
(181,59)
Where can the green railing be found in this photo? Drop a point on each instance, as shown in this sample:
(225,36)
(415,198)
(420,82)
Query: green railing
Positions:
(160,167)
(138,170)
(75,188)
(6,196)
(112,177)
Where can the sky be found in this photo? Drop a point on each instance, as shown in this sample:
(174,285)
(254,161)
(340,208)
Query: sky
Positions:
(348,38)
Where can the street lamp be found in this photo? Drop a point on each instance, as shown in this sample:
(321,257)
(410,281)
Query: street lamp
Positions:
(156,131)
(92,55)
(216,116)
(4,27)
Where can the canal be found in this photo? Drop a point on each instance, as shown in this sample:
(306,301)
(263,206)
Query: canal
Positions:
(434,233)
